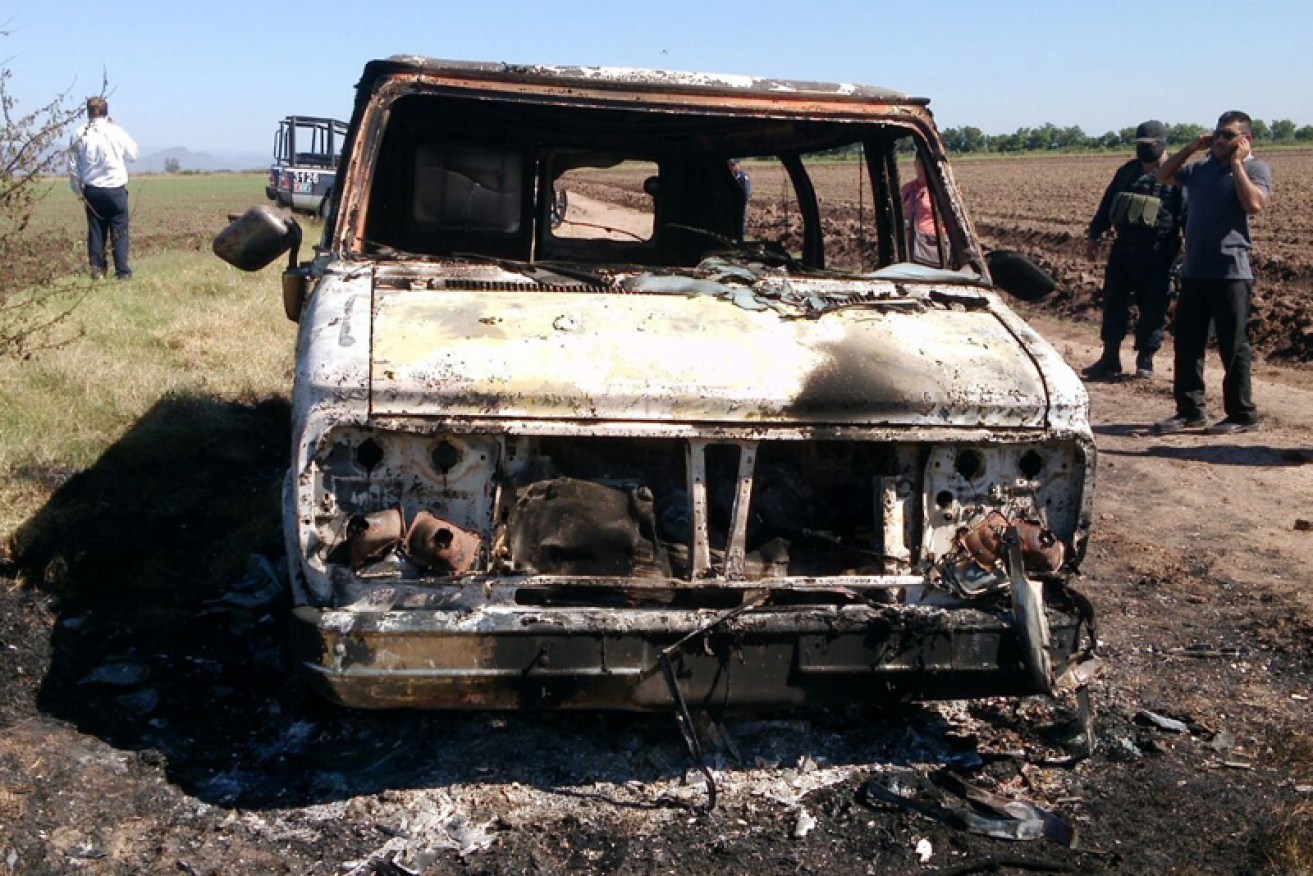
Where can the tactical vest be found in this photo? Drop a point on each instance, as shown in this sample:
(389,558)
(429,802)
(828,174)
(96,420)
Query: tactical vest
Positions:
(1148,214)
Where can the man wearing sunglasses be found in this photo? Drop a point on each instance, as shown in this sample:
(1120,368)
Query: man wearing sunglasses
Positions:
(1217,283)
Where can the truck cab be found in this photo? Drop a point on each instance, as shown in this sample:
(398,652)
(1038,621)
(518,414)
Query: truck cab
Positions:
(304,168)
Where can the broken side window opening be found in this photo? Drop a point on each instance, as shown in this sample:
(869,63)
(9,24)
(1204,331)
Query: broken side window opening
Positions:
(598,182)
(877,232)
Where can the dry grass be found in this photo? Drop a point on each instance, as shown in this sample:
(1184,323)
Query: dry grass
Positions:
(186,325)
(1285,844)
(144,456)
(1284,839)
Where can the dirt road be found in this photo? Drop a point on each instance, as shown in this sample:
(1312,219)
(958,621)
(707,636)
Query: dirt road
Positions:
(141,739)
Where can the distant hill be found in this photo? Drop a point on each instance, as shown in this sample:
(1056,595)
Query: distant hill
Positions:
(203,161)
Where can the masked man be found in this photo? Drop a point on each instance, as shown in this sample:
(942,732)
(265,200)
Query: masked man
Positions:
(1145,216)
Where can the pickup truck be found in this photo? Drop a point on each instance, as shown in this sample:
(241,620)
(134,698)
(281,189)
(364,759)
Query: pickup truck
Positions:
(711,446)
(304,169)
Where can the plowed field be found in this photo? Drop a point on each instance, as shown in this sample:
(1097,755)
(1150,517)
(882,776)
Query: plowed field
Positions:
(1043,207)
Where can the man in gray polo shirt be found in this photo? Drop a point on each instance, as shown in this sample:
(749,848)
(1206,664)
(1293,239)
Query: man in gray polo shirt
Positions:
(1224,191)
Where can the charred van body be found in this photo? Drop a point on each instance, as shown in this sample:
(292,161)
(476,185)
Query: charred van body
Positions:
(794,454)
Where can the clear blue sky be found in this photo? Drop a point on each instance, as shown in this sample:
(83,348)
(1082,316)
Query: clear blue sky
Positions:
(216,77)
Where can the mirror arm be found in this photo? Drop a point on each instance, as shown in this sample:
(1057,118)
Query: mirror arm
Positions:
(294,252)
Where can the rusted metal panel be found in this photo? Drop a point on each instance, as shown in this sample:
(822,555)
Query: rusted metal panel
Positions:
(628,79)
(608,659)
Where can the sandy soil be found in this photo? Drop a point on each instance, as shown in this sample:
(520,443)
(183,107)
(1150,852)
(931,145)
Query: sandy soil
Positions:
(591,218)
(168,740)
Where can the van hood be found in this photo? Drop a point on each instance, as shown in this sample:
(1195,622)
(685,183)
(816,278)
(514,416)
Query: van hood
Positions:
(660,358)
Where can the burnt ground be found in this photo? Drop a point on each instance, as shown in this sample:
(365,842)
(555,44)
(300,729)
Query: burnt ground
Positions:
(150,724)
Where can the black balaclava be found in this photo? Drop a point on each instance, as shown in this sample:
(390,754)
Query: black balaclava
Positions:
(1147,152)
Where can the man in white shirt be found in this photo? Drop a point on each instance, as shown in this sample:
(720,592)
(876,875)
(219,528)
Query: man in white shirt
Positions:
(97,171)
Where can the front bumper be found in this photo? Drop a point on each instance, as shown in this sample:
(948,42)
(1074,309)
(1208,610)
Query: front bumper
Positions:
(516,657)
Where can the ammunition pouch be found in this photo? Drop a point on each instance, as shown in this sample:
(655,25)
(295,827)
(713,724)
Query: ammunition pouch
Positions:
(1133,210)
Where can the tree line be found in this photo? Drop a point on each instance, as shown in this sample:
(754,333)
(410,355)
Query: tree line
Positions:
(1052,138)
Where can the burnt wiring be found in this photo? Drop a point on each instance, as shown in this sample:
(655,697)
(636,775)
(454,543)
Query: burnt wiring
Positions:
(683,717)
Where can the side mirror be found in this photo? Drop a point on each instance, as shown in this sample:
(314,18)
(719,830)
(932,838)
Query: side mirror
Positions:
(296,284)
(254,239)
(1020,277)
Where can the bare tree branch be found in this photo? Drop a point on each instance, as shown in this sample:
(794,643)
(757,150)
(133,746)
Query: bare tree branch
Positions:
(36,296)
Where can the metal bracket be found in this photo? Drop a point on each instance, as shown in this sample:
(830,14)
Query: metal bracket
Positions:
(1028,619)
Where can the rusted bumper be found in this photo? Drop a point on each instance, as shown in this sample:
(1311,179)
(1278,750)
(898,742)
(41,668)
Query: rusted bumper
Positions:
(607,658)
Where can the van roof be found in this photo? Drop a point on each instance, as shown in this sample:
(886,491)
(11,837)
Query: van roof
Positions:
(630,78)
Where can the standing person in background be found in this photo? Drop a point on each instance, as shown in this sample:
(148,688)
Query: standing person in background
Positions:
(741,177)
(919,219)
(1217,283)
(1146,216)
(98,174)
(745,182)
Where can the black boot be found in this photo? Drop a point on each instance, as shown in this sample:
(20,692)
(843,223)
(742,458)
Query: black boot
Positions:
(1109,366)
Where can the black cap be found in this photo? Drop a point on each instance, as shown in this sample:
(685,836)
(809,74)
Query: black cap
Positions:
(1150,132)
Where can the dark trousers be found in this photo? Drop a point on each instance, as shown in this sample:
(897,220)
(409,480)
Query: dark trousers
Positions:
(107,218)
(1145,281)
(1225,305)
